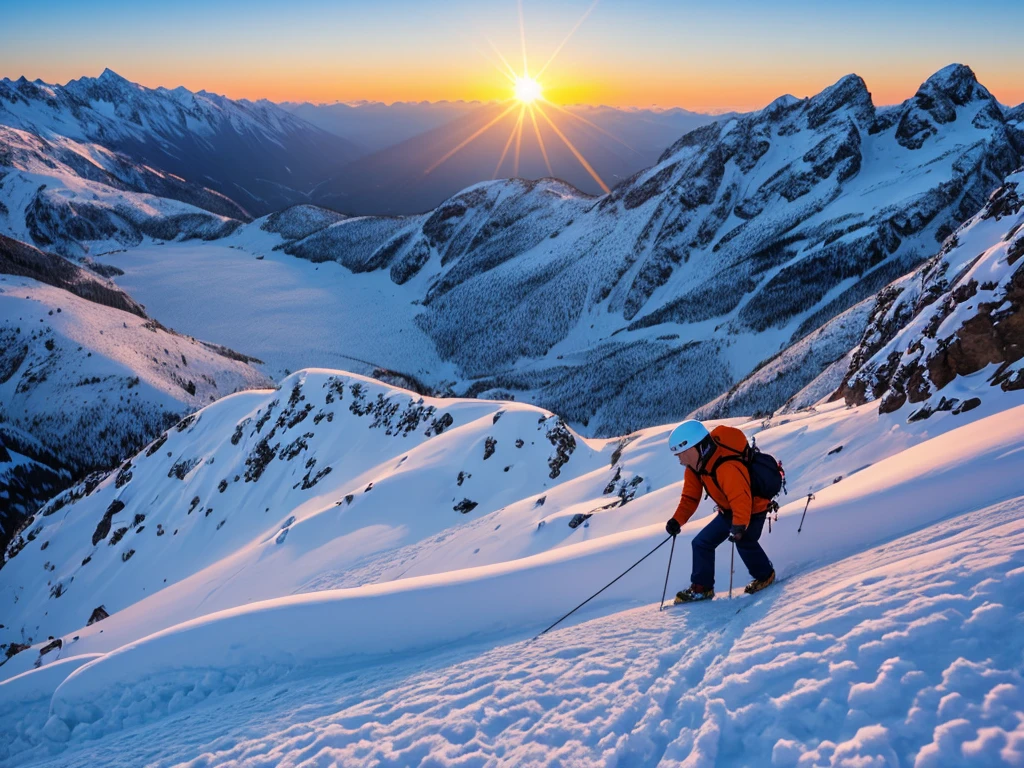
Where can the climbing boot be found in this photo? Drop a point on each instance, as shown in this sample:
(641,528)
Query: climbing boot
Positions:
(694,594)
(758,584)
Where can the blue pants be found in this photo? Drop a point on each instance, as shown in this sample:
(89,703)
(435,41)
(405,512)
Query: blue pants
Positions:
(717,531)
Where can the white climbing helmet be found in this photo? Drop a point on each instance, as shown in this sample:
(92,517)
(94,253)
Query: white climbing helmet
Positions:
(686,435)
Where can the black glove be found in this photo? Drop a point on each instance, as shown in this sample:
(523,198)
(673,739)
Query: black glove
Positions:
(737,532)
(673,527)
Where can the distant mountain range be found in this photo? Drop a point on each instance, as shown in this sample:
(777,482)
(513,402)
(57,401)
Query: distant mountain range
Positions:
(404,141)
(373,126)
(750,235)
(255,153)
(405,178)
(243,159)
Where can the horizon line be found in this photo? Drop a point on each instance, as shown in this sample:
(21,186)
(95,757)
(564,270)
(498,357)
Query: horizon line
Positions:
(356,103)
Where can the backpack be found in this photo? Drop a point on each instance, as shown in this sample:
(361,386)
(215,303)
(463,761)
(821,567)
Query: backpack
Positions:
(767,477)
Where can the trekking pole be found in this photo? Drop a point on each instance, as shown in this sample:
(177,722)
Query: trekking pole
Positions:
(602,589)
(664,592)
(810,498)
(732,567)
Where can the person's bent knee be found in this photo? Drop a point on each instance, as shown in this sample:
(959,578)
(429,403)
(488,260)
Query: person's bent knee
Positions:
(701,543)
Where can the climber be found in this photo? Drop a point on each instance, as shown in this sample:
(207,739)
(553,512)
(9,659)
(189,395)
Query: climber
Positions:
(720,462)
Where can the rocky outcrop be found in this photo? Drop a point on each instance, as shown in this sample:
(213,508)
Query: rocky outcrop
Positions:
(958,315)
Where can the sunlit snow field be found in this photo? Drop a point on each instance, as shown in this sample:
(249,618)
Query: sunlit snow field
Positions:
(288,312)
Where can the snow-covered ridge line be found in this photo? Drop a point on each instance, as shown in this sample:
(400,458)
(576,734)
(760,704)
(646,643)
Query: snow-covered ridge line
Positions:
(280,450)
(256,155)
(255,643)
(76,197)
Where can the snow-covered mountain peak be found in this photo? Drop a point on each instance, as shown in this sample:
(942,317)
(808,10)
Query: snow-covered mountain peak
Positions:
(956,82)
(850,93)
(950,94)
(111,77)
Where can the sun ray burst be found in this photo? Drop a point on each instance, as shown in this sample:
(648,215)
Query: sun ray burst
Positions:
(540,139)
(572,148)
(464,142)
(511,137)
(582,119)
(511,74)
(527,94)
(561,45)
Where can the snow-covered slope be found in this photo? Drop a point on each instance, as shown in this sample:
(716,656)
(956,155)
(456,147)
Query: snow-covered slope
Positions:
(76,197)
(86,377)
(257,569)
(260,156)
(276,535)
(906,654)
(945,336)
(279,536)
(777,378)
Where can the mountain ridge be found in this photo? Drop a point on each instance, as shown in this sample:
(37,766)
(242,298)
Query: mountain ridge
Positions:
(255,153)
(763,225)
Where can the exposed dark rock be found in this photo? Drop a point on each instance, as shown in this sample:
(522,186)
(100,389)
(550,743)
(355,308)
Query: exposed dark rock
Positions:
(103,527)
(465,506)
(98,614)
(490,444)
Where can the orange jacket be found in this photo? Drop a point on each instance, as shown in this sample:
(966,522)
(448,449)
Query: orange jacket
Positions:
(729,488)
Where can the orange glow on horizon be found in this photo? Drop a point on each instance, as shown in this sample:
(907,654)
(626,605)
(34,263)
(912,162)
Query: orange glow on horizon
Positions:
(726,92)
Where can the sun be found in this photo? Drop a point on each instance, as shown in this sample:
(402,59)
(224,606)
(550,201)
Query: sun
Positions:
(527,89)
(528,98)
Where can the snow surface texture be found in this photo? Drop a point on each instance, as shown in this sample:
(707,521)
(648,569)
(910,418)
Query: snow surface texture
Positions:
(287,312)
(906,654)
(192,572)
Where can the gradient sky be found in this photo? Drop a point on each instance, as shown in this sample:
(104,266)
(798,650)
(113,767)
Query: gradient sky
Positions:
(706,56)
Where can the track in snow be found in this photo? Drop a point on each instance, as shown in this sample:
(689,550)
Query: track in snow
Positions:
(815,670)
